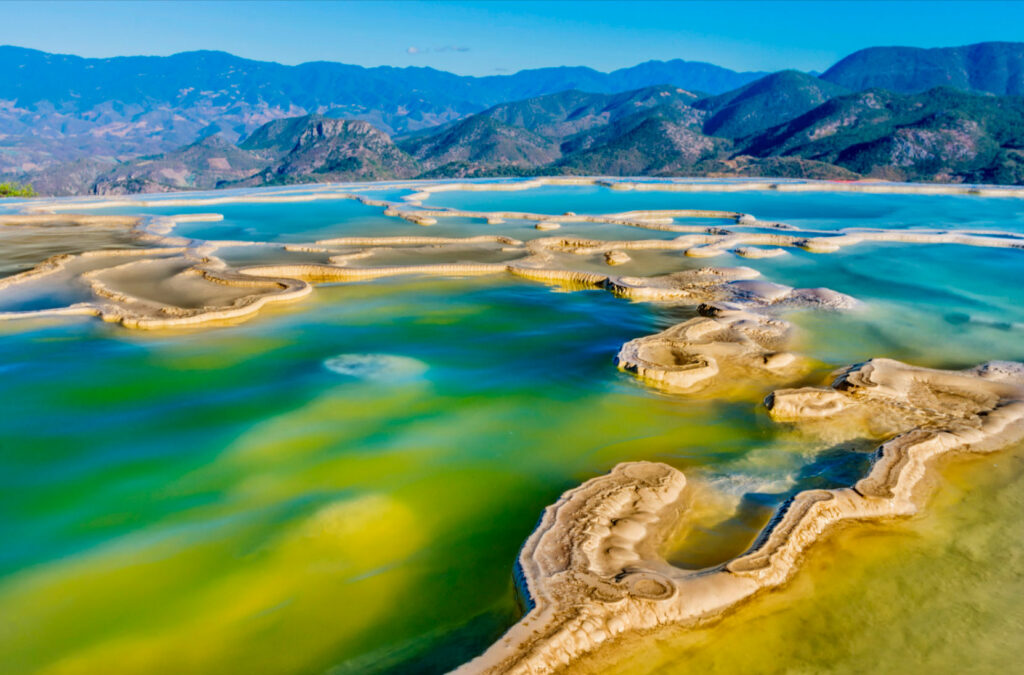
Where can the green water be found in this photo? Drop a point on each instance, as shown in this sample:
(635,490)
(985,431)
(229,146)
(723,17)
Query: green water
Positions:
(220,500)
(937,594)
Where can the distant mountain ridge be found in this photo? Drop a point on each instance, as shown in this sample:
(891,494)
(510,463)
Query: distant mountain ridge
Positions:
(766,102)
(942,134)
(128,106)
(337,150)
(72,125)
(542,129)
(987,67)
(197,166)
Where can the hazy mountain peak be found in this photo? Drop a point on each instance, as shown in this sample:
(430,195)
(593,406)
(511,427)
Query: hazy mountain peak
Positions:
(765,103)
(331,121)
(992,67)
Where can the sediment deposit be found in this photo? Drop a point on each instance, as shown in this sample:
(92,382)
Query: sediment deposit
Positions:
(542,259)
(594,567)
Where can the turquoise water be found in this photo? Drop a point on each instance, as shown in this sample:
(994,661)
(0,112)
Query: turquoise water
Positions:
(310,221)
(238,498)
(275,222)
(820,210)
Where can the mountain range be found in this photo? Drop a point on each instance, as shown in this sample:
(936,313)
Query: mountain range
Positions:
(131,124)
(69,107)
(988,67)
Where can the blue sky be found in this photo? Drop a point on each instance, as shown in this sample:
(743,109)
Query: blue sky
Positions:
(485,38)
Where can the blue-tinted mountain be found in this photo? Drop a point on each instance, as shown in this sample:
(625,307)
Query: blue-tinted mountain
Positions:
(202,165)
(130,106)
(988,67)
(943,134)
(73,125)
(765,103)
(542,129)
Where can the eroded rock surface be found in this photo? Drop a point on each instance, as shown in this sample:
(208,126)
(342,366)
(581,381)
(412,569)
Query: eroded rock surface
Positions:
(726,343)
(732,341)
(593,569)
(545,259)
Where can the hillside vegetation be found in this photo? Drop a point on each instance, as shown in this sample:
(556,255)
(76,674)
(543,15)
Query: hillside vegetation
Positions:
(869,116)
(58,107)
(16,190)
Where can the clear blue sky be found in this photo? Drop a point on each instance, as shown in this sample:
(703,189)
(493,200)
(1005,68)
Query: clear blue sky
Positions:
(483,38)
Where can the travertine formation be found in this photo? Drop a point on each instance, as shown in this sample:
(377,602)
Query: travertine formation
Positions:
(616,257)
(725,344)
(199,287)
(153,288)
(593,569)
(731,341)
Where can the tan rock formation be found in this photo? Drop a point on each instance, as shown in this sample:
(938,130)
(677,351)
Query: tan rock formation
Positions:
(593,569)
(726,345)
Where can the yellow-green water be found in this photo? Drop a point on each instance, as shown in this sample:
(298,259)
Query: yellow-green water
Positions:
(220,500)
(937,594)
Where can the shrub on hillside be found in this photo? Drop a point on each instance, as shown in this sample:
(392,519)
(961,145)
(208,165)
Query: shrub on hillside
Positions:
(16,190)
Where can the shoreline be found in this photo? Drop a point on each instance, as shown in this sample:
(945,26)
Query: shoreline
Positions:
(288,282)
(593,570)
(422,188)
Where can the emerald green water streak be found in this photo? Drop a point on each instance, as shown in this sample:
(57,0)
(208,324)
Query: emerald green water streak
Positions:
(219,500)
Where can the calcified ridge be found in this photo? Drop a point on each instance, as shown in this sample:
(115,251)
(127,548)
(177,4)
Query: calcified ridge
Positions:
(725,344)
(213,291)
(593,569)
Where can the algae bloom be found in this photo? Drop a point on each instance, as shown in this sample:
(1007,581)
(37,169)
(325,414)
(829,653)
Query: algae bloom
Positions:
(554,425)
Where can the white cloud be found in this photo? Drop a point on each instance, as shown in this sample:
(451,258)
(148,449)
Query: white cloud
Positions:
(436,50)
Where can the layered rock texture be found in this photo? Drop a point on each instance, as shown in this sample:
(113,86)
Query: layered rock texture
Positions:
(594,568)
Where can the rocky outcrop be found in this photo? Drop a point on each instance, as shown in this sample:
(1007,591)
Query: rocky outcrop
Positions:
(593,569)
(337,150)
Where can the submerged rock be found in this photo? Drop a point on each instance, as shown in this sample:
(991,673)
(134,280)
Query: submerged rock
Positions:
(616,257)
